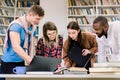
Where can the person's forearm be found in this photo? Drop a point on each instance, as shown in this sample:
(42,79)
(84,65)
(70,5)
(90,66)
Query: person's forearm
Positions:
(22,54)
(94,50)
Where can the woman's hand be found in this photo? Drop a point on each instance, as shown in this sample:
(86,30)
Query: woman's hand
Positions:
(85,52)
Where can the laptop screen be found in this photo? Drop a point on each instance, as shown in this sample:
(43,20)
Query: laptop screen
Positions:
(76,55)
(41,63)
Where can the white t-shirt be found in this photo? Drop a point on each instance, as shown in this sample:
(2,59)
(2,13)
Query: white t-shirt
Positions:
(110,46)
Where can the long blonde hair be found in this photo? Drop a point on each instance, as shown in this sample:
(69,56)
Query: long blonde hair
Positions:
(49,26)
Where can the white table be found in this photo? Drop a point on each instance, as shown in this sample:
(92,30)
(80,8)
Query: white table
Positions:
(59,77)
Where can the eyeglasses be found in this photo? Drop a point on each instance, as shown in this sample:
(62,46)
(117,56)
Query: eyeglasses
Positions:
(51,34)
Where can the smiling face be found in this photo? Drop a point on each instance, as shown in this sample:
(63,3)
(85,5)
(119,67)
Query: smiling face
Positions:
(73,34)
(99,30)
(51,34)
(35,14)
(34,19)
(100,25)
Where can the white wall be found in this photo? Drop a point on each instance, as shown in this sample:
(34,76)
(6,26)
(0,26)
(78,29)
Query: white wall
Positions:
(55,11)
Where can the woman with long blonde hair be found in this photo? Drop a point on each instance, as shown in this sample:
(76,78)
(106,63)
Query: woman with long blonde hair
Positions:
(50,45)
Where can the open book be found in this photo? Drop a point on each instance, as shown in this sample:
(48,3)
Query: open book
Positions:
(72,70)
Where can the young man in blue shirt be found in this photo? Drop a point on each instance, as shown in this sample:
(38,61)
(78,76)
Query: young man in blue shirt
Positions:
(18,47)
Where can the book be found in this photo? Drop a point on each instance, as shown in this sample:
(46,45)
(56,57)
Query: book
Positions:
(1,41)
(107,64)
(104,70)
(75,70)
(105,73)
(71,70)
(1,50)
(82,69)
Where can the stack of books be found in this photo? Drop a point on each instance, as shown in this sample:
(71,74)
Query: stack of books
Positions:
(105,68)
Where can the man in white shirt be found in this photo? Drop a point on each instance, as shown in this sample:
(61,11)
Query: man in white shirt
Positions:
(108,39)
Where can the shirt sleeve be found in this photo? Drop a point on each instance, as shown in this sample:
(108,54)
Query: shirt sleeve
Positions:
(66,59)
(15,27)
(94,45)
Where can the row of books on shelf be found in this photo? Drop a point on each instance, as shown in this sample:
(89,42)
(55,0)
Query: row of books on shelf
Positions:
(80,2)
(7,3)
(81,11)
(81,20)
(109,10)
(3,30)
(6,12)
(108,2)
(10,12)
(87,20)
(92,2)
(21,12)
(2,40)
(1,50)
(20,3)
(5,21)
(112,18)
(92,11)
(26,3)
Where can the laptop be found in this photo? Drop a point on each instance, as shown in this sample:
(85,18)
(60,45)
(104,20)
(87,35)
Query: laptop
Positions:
(76,55)
(41,65)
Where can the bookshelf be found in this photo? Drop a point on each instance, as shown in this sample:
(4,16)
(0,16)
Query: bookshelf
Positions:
(85,11)
(10,10)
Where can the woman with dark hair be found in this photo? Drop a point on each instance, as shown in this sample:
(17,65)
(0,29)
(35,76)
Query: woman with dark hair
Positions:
(84,40)
(50,45)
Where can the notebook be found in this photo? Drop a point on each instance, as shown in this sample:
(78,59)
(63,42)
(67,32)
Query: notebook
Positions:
(76,55)
(43,64)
